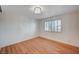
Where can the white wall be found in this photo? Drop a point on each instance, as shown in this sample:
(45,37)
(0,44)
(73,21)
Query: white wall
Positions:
(16,27)
(70,29)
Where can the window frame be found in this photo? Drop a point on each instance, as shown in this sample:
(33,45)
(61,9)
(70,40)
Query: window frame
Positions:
(54,26)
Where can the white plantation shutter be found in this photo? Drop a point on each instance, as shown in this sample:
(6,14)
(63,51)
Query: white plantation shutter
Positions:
(53,25)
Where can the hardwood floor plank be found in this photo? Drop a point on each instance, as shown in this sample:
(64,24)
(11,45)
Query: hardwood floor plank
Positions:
(9,50)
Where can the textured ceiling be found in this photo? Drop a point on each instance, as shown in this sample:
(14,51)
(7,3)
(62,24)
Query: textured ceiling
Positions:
(47,10)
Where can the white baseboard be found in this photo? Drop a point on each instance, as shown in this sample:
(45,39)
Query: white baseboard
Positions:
(19,41)
(59,40)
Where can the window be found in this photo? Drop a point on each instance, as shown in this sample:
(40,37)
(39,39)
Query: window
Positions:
(48,26)
(53,25)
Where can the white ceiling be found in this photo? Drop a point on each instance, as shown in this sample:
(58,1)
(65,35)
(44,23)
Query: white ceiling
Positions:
(48,10)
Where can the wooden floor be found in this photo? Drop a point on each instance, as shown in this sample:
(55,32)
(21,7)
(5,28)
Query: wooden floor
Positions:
(39,46)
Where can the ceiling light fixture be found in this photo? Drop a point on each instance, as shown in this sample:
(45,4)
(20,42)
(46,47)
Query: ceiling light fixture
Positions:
(37,10)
